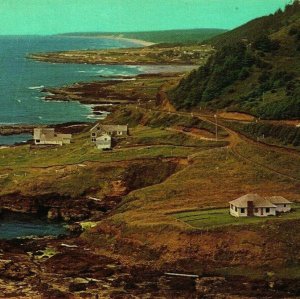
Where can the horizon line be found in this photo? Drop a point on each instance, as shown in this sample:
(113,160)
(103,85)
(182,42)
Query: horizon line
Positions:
(112,32)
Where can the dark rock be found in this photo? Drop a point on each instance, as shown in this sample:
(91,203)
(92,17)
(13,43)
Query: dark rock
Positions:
(77,287)
(120,295)
(15,270)
(206,285)
(55,294)
(75,229)
(74,214)
(53,214)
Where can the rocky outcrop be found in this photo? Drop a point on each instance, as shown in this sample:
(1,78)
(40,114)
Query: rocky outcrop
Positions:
(54,206)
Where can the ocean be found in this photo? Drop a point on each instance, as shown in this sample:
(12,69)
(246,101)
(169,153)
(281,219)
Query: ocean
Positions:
(22,79)
(17,225)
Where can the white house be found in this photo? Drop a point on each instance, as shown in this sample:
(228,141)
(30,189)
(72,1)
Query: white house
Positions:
(256,205)
(112,130)
(103,141)
(252,205)
(48,136)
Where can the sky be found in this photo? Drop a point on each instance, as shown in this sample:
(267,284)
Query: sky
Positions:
(59,16)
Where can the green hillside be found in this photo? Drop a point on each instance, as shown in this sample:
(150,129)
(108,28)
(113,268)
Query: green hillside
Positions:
(257,70)
(164,36)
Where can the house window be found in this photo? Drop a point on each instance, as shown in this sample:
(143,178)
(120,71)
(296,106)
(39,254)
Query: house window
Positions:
(93,134)
(231,207)
(242,210)
(98,128)
(235,209)
(37,141)
(93,139)
(284,206)
(267,210)
(256,210)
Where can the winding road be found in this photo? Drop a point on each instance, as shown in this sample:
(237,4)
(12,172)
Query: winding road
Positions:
(234,138)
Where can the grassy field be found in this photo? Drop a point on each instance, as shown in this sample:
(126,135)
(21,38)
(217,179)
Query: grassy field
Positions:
(154,136)
(214,218)
(35,170)
(155,55)
(214,178)
(82,150)
(287,272)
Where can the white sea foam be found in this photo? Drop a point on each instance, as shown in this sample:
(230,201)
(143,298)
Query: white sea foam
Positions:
(93,116)
(36,87)
(6,123)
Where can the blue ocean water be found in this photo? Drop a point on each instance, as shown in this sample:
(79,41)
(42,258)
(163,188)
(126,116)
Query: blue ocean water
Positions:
(16,225)
(13,139)
(21,79)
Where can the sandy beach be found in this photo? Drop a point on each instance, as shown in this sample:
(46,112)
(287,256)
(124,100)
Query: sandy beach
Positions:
(133,40)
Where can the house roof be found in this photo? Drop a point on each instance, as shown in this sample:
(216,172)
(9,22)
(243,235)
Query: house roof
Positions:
(258,201)
(110,128)
(49,134)
(45,131)
(67,136)
(278,200)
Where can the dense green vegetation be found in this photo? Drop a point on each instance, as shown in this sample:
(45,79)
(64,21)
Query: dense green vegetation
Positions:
(164,36)
(264,26)
(256,74)
(268,132)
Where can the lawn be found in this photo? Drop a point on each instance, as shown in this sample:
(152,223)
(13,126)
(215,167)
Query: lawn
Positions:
(214,218)
(82,150)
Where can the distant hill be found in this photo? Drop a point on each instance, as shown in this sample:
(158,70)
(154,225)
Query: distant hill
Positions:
(263,25)
(257,70)
(164,36)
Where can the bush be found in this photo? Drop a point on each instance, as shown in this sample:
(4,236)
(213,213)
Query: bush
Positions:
(265,44)
(284,134)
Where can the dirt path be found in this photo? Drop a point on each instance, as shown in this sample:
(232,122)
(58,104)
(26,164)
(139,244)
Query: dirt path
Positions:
(235,138)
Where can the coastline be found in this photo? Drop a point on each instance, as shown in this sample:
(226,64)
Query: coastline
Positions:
(113,37)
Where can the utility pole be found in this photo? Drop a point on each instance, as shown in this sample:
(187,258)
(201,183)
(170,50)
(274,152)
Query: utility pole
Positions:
(216,118)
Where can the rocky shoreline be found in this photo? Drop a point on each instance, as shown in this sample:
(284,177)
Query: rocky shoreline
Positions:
(68,267)
(117,91)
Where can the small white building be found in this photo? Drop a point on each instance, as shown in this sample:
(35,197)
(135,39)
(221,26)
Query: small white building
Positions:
(48,136)
(256,205)
(103,141)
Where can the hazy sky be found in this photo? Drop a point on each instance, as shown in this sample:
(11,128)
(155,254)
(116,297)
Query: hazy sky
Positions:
(58,16)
